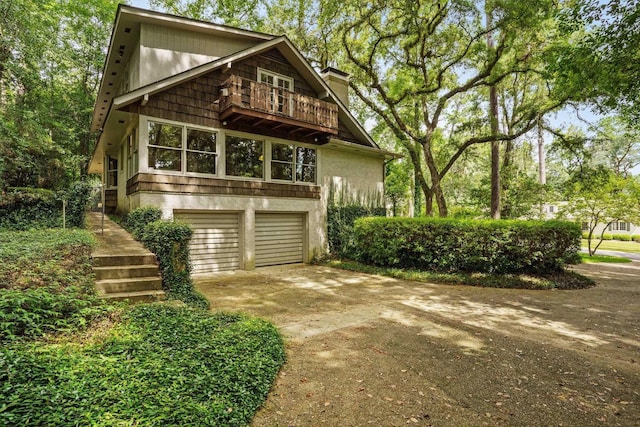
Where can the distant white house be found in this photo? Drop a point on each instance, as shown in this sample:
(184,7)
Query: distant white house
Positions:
(552,211)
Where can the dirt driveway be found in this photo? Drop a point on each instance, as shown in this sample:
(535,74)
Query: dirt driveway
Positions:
(368,350)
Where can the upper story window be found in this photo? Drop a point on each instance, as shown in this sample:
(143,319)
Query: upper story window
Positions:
(288,159)
(182,149)
(244,157)
(280,97)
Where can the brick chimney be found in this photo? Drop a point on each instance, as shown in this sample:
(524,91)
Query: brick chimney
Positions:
(338,81)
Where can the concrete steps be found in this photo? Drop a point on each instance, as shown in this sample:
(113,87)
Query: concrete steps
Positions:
(128,277)
(124,269)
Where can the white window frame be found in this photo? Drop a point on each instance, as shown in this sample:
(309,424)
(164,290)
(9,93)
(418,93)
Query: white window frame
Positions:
(276,78)
(132,153)
(294,163)
(183,148)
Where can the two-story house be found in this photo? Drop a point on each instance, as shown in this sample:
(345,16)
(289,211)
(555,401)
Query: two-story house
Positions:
(231,131)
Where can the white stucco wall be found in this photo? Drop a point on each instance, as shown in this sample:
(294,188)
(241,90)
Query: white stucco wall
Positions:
(247,207)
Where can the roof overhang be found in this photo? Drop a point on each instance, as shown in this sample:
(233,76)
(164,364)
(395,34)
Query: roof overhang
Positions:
(125,36)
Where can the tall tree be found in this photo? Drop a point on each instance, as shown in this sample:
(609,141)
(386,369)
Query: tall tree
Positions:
(429,54)
(49,73)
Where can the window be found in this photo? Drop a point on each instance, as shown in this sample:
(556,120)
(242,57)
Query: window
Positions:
(281,100)
(622,226)
(165,147)
(112,172)
(285,159)
(305,164)
(132,153)
(244,157)
(201,151)
(182,149)
(282,162)
(584,226)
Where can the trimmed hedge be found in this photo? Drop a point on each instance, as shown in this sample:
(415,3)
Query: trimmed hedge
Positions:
(340,221)
(449,245)
(621,237)
(39,208)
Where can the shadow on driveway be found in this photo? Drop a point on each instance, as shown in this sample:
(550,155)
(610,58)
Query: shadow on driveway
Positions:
(371,350)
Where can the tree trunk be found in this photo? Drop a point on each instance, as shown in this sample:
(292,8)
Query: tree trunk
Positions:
(542,168)
(436,189)
(495,145)
(417,193)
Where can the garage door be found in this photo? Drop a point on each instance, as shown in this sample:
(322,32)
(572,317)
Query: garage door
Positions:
(215,245)
(279,238)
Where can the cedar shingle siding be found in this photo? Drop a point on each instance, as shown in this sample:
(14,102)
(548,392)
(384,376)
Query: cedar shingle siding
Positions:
(193,185)
(194,102)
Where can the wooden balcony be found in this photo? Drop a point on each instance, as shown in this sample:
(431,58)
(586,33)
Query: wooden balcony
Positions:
(260,104)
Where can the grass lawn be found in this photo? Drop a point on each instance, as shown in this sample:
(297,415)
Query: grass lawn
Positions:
(68,358)
(560,280)
(614,245)
(602,258)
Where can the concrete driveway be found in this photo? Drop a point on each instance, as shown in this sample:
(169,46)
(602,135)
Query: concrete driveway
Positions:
(370,350)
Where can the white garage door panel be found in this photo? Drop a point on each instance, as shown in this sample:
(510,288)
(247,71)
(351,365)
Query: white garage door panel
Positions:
(279,238)
(215,245)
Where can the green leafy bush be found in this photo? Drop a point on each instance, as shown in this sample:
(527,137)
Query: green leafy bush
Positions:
(449,245)
(170,242)
(78,197)
(340,221)
(139,218)
(605,237)
(24,208)
(158,366)
(636,238)
(621,237)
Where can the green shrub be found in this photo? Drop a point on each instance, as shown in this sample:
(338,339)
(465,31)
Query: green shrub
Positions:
(585,234)
(449,245)
(621,237)
(159,366)
(170,242)
(340,221)
(78,197)
(139,218)
(605,237)
(25,208)
(636,238)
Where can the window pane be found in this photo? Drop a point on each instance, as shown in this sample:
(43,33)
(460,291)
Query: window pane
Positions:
(282,171)
(201,162)
(282,152)
(305,156)
(244,157)
(163,159)
(201,140)
(165,135)
(305,173)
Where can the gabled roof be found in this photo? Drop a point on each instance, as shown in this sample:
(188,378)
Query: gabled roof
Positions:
(287,49)
(126,34)
(129,18)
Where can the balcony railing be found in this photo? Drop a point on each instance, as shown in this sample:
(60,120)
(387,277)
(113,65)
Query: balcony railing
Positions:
(265,102)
